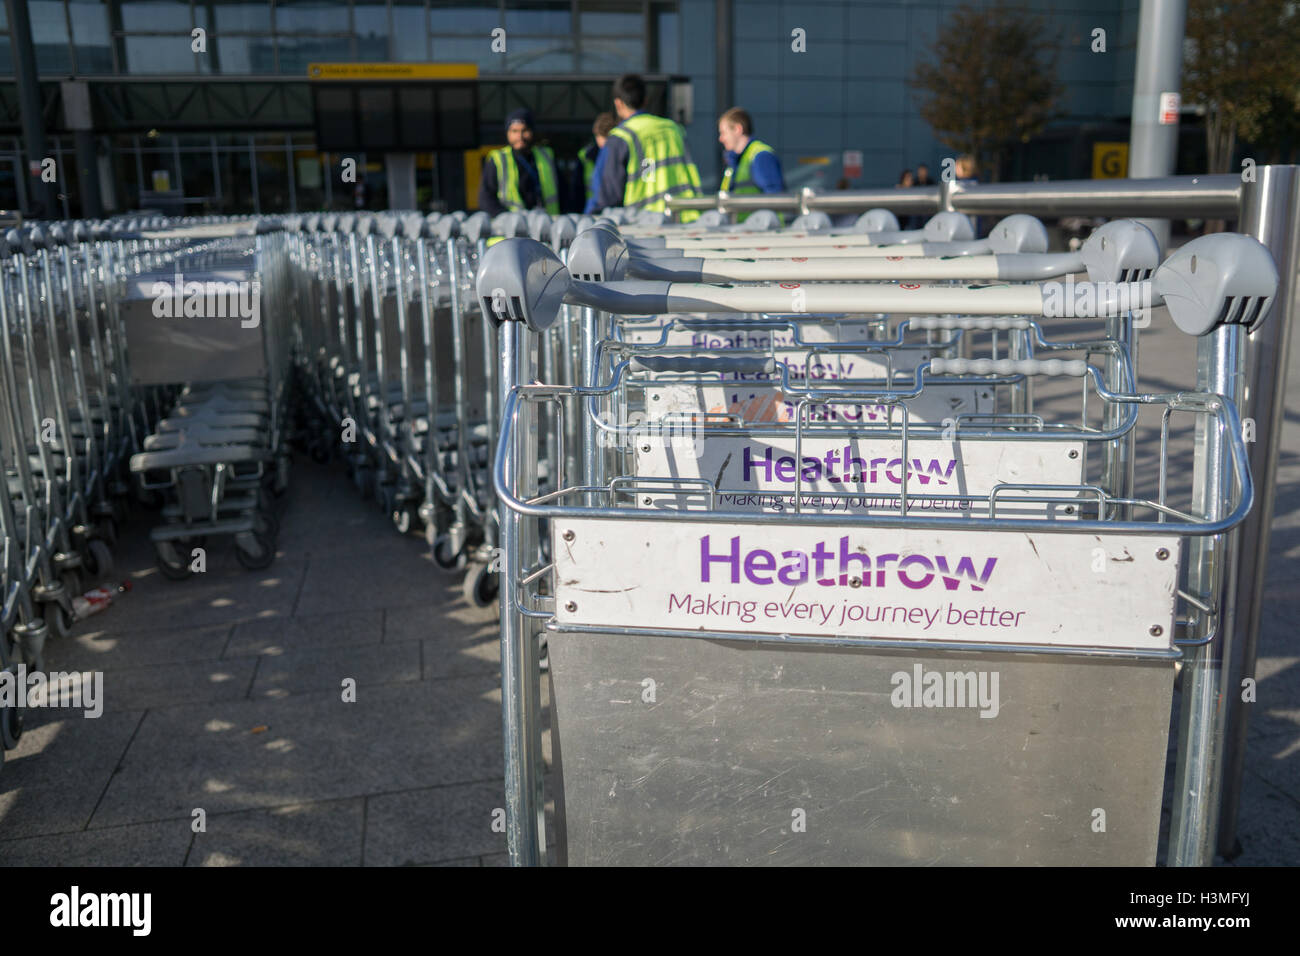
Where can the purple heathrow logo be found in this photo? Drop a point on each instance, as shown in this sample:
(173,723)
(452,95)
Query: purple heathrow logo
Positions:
(836,467)
(824,564)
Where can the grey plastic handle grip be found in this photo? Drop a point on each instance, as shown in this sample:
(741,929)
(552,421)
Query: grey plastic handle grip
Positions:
(675,269)
(1074,368)
(1037,266)
(983,323)
(703,364)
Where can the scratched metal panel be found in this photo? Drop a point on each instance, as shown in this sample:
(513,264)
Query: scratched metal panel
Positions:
(740,738)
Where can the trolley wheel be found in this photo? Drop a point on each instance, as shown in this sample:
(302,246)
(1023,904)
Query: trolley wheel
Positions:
(444,557)
(72,582)
(259,558)
(281,483)
(173,562)
(106,530)
(266,524)
(404,519)
(98,560)
(482,587)
(265,501)
(365,480)
(11,727)
(58,620)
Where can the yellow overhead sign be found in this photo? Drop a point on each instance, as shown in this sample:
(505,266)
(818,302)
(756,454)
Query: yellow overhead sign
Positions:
(1109,160)
(392,71)
(814,160)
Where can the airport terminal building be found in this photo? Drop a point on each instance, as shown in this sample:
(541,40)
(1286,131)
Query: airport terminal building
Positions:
(224,106)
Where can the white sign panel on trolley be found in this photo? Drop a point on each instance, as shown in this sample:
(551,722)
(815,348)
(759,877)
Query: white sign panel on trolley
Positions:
(762,473)
(999,587)
(757,401)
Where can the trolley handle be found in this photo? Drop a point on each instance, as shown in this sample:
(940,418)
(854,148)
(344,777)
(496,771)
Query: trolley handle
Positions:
(703,364)
(984,323)
(1074,368)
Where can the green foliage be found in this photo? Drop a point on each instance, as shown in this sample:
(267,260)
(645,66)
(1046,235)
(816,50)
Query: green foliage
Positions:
(1242,65)
(988,84)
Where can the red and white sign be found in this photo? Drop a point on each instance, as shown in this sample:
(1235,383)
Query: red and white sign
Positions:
(909,286)
(852,163)
(1169,105)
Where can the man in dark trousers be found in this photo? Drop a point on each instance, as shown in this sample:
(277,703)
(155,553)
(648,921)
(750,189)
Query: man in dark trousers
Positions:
(519,176)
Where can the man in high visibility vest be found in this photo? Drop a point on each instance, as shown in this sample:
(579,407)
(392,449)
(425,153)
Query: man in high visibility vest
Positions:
(645,159)
(519,176)
(588,154)
(752,165)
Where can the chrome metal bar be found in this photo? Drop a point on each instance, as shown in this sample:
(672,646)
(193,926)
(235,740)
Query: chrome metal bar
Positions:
(1270,211)
(520,720)
(1206,196)
(1197,773)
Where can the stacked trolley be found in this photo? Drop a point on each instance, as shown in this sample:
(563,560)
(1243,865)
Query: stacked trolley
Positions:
(400,370)
(209,324)
(817,590)
(70,418)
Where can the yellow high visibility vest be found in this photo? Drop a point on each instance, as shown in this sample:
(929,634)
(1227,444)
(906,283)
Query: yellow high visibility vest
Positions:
(508,179)
(657,163)
(742,184)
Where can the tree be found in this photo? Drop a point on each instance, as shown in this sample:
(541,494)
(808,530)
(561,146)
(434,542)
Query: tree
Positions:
(1242,64)
(986,86)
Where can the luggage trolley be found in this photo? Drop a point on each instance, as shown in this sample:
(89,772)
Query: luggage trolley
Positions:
(1121,251)
(405,367)
(220,454)
(745,725)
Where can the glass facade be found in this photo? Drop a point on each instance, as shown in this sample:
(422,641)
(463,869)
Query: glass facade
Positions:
(261,171)
(265,37)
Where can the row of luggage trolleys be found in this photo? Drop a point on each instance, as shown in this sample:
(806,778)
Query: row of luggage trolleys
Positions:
(794,527)
(820,576)
(80,404)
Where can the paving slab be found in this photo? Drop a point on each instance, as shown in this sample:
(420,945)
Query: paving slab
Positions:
(218,596)
(277,635)
(53,780)
(379,573)
(1276,709)
(264,752)
(313,834)
(169,685)
(164,843)
(107,646)
(435,824)
(325,668)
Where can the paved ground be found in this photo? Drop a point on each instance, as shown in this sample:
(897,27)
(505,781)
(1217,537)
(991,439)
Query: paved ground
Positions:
(224,693)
